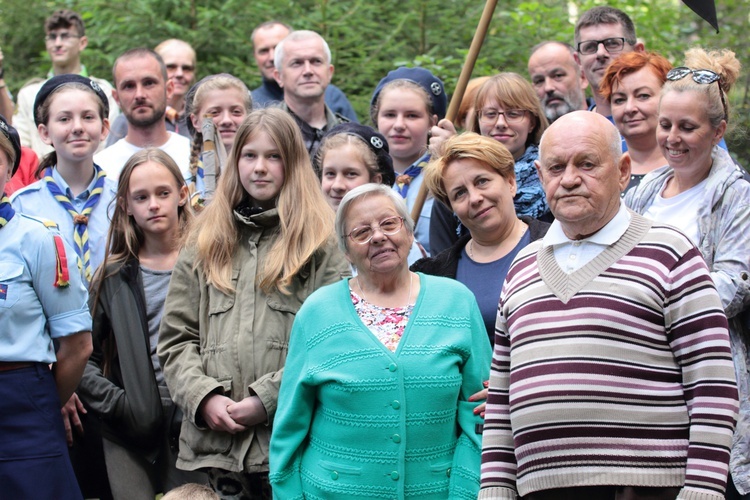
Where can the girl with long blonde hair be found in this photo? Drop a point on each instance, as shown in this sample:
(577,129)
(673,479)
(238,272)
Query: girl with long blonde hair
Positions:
(254,254)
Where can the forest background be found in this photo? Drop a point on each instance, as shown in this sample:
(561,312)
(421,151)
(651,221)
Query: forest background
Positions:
(368,38)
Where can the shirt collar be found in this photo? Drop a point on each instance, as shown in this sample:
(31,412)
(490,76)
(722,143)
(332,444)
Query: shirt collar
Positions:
(65,188)
(608,235)
(84,72)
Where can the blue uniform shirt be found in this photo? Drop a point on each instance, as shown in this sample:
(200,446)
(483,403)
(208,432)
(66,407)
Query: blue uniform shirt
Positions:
(33,310)
(37,200)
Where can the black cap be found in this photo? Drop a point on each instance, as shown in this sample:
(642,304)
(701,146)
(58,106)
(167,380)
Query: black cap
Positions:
(14,139)
(422,77)
(58,81)
(374,140)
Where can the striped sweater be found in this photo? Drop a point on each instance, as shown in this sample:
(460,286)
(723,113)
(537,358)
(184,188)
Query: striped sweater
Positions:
(617,374)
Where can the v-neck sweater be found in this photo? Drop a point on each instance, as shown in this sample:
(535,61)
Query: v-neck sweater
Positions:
(354,416)
(619,373)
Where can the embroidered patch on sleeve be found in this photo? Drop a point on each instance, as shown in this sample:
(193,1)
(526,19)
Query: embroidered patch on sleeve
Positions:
(3,291)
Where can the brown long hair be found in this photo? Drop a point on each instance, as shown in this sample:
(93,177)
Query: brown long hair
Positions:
(306,221)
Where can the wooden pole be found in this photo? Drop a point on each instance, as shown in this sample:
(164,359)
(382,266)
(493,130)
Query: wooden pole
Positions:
(458,94)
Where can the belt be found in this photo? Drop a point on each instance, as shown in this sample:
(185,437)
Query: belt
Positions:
(6,366)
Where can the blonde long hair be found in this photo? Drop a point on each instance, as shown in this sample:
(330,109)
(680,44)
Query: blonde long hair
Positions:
(306,221)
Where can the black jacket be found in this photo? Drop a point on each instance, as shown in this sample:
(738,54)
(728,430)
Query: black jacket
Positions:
(446,262)
(127,400)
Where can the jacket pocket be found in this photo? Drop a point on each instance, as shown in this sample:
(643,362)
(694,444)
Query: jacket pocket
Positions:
(11,274)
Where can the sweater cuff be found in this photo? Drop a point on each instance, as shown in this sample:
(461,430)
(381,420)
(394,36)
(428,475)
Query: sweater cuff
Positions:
(497,494)
(688,493)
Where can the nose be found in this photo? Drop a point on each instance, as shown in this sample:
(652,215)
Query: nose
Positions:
(399,122)
(260,165)
(271,54)
(570,177)
(338,184)
(225,117)
(672,135)
(308,67)
(77,123)
(153,203)
(475,196)
(630,105)
(500,122)
(601,51)
(548,88)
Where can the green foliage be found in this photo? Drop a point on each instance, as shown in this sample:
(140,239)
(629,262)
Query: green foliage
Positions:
(367,38)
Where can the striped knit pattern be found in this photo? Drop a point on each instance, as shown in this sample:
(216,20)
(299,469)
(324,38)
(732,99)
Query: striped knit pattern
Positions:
(81,233)
(617,374)
(357,421)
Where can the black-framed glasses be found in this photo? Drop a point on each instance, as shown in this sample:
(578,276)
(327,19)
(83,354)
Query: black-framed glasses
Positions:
(489,116)
(701,77)
(64,36)
(612,45)
(388,226)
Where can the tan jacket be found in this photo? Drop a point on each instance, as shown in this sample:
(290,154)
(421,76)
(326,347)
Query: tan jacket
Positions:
(233,344)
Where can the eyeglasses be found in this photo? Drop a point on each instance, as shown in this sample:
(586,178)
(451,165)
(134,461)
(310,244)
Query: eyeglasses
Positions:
(701,77)
(64,36)
(387,226)
(186,68)
(611,45)
(489,116)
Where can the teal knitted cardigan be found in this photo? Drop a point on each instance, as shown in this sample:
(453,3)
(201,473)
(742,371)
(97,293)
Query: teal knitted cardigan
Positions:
(356,420)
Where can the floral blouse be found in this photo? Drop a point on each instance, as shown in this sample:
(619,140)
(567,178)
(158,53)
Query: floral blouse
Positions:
(386,323)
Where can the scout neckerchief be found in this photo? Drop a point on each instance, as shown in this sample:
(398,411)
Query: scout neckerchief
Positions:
(80,220)
(6,211)
(403,180)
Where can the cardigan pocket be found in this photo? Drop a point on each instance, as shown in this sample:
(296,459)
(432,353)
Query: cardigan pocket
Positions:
(338,469)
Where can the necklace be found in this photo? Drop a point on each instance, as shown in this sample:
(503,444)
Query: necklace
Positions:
(470,246)
(408,298)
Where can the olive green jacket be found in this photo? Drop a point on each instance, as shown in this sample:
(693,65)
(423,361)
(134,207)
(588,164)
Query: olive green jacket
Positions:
(235,345)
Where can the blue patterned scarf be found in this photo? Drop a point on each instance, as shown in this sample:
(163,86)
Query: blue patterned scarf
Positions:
(403,180)
(80,220)
(6,211)
(530,199)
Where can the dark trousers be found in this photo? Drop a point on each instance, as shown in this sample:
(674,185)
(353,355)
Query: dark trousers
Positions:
(34,459)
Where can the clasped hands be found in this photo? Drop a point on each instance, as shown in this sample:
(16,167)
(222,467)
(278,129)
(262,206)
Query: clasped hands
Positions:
(224,414)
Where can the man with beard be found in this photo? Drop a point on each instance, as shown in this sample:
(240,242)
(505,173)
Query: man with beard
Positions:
(142,90)
(303,69)
(557,79)
(179,58)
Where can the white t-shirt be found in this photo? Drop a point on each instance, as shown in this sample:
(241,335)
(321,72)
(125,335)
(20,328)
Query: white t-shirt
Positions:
(113,158)
(680,211)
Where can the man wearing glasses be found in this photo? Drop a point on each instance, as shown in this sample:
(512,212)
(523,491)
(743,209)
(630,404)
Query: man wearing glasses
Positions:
(65,38)
(601,35)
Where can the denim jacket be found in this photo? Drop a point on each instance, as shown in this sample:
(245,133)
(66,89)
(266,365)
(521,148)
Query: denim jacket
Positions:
(724,227)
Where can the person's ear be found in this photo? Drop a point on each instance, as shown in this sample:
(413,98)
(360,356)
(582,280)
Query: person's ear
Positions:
(105,128)
(83,42)
(44,134)
(719,132)
(277,77)
(623,171)
(184,195)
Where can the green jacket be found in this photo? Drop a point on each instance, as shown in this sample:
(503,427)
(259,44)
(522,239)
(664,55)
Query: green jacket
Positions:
(210,342)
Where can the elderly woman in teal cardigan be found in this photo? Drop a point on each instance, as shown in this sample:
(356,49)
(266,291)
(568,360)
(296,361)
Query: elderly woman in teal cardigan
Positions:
(375,397)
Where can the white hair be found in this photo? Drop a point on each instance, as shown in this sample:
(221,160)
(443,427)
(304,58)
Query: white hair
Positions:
(295,36)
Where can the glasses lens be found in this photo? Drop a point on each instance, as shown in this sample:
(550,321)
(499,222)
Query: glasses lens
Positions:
(513,115)
(704,76)
(614,44)
(588,47)
(390,225)
(361,234)
(488,115)
(678,73)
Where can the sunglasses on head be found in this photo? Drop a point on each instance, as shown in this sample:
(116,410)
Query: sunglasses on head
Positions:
(700,76)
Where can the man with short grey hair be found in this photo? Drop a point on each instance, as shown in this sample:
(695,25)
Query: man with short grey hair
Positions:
(303,69)
(265,37)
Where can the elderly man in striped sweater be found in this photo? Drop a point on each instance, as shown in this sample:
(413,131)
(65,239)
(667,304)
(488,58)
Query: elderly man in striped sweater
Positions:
(612,374)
